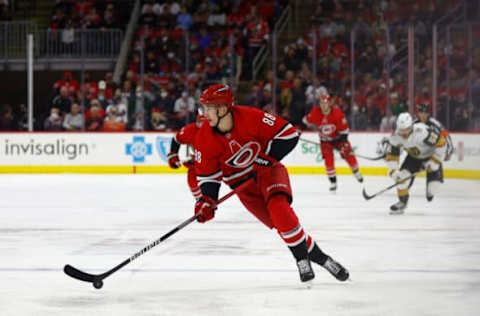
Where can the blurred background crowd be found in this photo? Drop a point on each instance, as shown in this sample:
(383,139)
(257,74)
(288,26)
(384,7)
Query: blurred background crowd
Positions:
(354,50)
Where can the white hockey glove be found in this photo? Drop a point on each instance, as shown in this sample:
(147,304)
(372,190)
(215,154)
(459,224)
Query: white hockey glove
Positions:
(395,174)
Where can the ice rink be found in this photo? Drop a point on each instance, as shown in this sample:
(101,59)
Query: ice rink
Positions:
(425,262)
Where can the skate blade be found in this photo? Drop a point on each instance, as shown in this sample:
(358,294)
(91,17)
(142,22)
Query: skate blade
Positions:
(308,284)
(396,212)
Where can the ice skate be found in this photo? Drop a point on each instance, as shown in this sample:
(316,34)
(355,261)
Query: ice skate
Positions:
(305,270)
(336,269)
(358,176)
(333,187)
(398,208)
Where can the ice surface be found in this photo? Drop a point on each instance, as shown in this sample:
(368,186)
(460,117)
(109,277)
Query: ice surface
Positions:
(425,262)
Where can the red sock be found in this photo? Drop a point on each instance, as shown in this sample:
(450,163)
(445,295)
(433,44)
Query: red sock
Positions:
(285,220)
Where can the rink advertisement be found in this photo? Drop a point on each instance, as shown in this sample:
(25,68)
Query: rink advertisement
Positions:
(147,152)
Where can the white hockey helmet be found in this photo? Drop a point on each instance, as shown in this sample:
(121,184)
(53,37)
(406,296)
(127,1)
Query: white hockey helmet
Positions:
(404,124)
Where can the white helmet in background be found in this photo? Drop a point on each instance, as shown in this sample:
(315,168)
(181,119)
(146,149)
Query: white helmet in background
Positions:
(404,124)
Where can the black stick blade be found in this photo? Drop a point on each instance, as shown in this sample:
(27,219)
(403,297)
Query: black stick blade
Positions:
(366,196)
(79,275)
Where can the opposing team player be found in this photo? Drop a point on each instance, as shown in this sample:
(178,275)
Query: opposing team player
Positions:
(423,116)
(239,143)
(186,136)
(333,129)
(425,147)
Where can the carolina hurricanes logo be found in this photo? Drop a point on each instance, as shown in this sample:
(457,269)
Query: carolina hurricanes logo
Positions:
(244,156)
(327,129)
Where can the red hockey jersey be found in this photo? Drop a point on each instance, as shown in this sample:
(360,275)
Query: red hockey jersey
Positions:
(330,126)
(230,157)
(186,135)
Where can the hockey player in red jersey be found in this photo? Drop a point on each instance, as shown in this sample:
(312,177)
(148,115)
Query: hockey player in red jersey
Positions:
(186,136)
(238,143)
(333,129)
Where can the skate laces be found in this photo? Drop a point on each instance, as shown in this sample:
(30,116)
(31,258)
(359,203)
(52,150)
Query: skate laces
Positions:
(332,266)
(303,266)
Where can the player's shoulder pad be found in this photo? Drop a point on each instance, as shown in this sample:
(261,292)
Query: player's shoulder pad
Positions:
(436,123)
(395,140)
(420,129)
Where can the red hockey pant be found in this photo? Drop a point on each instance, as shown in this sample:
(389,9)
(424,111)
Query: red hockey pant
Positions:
(346,153)
(268,199)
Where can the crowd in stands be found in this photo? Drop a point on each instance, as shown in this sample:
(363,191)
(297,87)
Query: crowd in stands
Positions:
(186,45)
(89,14)
(4,11)
(189,44)
(377,98)
(372,108)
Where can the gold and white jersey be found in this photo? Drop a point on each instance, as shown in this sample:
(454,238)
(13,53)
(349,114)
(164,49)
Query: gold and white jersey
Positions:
(423,143)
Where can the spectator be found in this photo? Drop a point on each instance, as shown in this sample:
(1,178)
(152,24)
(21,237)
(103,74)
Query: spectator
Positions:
(94,117)
(285,103)
(138,121)
(109,18)
(7,122)
(159,120)
(267,100)
(68,82)
(104,96)
(184,19)
(258,35)
(121,107)
(373,114)
(54,121)
(171,65)
(114,114)
(111,85)
(113,122)
(62,101)
(462,120)
(212,72)
(138,104)
(388,123)
(204,38)
(424,97)
(291,63)
(313,91)
(92,20)
(172,7)
(358,119)
(184,110)
(73,120)
(231,65)
(148,17)
(95,105)
(301,51)
(82,7)
(255,96)
(217,17)
(299,102)
(396,106)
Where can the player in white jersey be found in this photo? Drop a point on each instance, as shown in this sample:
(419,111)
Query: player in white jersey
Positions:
(423,115)
(426,149)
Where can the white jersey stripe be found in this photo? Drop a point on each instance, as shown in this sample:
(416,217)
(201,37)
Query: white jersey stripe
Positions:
(212,176)
(293,232)
(210,180)
(298,242)
(238,174)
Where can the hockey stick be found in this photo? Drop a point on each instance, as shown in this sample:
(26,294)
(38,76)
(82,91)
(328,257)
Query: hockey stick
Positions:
(368,197)
(356,154)
(97,279)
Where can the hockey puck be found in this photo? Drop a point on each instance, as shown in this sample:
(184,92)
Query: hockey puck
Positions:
(98,284)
